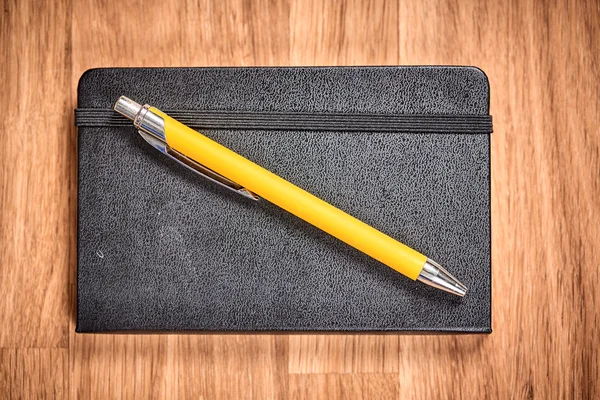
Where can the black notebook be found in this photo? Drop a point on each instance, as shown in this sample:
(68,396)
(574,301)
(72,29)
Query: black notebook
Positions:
(404,149)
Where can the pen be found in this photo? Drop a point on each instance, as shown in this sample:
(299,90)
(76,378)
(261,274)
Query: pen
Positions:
(227,168)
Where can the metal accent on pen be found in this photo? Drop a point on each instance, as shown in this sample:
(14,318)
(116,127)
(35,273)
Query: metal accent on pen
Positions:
(151,127)
(433,274)
(236,173)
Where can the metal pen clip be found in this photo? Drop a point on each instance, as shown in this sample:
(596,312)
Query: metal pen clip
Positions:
(152,128)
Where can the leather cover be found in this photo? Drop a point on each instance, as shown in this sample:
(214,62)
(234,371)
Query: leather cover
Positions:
(160,249)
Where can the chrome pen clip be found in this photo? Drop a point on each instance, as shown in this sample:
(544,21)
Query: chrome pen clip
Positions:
(152,128)
(200,169)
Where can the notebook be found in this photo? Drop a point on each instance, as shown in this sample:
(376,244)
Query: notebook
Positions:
(404,149)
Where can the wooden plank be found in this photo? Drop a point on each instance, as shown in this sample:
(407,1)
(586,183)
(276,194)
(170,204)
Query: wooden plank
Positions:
(344,386)
(111,366)
(233,366)
(343,354)
(35,159)
(33,373)
(192,33)
(354,32)
(235,33)
(177,366)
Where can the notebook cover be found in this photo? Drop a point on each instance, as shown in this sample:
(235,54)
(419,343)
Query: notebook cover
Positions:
(160,249)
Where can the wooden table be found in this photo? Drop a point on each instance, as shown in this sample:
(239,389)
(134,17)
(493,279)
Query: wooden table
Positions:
(543,62)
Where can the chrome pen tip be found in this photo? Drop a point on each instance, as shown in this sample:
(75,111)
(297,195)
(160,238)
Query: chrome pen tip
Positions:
(435,275)
(127,107)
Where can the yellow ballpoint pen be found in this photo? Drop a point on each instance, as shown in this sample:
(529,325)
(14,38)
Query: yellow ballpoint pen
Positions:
(230,169)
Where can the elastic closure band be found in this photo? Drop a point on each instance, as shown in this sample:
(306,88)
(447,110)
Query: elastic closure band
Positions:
(404,123)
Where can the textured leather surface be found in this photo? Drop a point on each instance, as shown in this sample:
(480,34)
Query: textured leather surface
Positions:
(161,249)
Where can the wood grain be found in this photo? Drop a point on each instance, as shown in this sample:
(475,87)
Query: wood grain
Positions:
(35,164)
(34,373)
(544,68)
(345,386)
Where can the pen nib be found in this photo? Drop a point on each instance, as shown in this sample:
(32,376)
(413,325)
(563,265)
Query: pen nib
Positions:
(435,275)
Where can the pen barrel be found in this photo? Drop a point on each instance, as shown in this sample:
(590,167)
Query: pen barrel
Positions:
(291,198)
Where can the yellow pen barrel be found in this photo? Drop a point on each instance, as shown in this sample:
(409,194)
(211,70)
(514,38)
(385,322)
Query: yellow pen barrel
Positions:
(292,198)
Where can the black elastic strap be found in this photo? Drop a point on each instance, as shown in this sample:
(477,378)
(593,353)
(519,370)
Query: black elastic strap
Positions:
(405,123)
